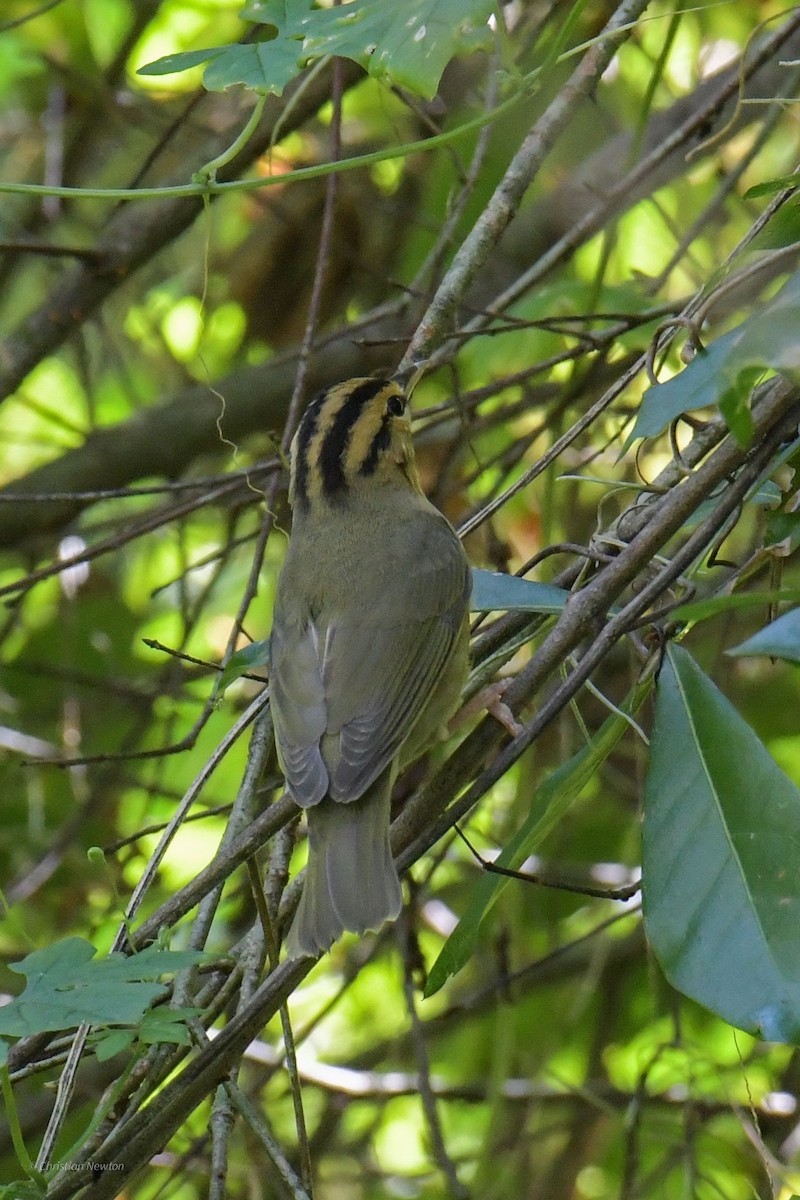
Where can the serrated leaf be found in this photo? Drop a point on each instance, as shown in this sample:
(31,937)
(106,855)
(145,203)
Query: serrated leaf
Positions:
(494,591)
(557,792)
(721,886)
(67,986)
(408,44)
(779,639)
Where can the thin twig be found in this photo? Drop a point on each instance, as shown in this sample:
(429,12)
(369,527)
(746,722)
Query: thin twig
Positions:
(455,1188)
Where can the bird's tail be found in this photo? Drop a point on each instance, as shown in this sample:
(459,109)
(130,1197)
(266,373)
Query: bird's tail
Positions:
(351,880)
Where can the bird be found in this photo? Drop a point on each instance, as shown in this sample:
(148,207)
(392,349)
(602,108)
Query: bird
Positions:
(368,651)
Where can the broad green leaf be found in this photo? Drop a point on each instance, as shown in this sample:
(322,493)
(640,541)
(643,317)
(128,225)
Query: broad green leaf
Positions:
(283,14)
(112,1042)
(779,639)
(769,337)
(764,495)
(735,407)
(160,1024)
(723,372)
(770,186)
(721,885)
(782,229)
(700,610)
(242,661)
(266,67)
(783,527)
(550,801)
(67,986)
(408,44)
(698,386)
(163,1024)
(494,591)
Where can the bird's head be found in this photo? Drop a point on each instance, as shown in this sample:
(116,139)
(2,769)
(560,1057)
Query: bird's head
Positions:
(354,435)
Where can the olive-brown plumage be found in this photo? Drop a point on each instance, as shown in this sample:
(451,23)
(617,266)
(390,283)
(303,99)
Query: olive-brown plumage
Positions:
(368,651)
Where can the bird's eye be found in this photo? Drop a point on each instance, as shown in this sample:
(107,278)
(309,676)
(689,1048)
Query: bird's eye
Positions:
(396,406)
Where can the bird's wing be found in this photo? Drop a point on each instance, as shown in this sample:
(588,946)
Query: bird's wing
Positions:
(384,657)
(299,712)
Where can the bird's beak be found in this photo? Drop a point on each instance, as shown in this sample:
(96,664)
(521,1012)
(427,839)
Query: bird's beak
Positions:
(409,376)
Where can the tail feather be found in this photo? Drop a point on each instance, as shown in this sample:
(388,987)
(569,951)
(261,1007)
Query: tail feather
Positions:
(351,880)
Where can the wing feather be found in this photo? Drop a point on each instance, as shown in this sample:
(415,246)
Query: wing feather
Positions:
(299,711)
(380,672)
(348,687)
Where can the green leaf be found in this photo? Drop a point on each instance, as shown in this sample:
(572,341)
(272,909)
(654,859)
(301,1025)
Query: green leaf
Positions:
(783,527)
(282,14)
(765,495)
(551,800)
(24,1189)
(724,372)
(242,661)
(698,386)
(779,639)
(164,1024)
(770,186)
(111,1042)
(769,338)
(700,610)
(721,886)
(408,44)
(782,229)
(172,63)
(265,67)
(160,1024)
(67,986)
(735,407)
(492,591)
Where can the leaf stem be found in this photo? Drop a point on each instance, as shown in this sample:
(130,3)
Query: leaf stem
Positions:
(14,1128)
(208,174)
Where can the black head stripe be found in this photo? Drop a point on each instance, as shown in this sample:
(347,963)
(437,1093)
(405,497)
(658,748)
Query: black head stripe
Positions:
(305,432)
(380,444)
(331,458)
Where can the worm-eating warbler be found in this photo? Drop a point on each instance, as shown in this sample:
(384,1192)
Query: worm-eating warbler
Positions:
(368,652)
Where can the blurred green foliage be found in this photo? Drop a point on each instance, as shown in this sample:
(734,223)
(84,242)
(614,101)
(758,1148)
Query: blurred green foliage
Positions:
(561,1062)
